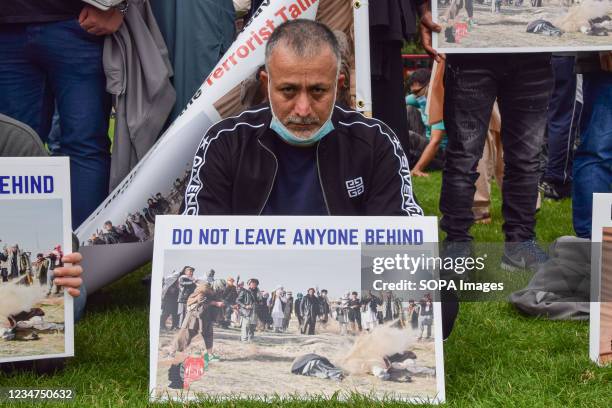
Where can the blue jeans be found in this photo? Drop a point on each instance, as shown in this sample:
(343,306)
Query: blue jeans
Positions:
(45,62)
(79,303)
(593,159)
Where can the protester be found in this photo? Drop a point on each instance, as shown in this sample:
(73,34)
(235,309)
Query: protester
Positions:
(592,171)
(563,115)
(428,150)
(302,155)
(52,51)
(197,34)
(472,84)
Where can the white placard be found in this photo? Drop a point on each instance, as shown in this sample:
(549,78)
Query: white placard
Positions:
(295,253)
(36,318)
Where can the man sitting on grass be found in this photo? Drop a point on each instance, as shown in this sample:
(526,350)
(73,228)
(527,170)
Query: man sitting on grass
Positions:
(302,154)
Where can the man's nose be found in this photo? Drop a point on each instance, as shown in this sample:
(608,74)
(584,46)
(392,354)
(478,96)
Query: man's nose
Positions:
(302,105)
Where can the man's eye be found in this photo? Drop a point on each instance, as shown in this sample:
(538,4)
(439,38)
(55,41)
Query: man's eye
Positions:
(287,90)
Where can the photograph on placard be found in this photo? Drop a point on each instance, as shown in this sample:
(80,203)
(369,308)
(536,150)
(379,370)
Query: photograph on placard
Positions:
(523,26)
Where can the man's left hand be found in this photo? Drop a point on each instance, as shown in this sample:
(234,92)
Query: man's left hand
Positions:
(426,27)
(70,276)
(99,22)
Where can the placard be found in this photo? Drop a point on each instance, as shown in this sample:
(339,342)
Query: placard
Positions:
(233,283)
(36,316)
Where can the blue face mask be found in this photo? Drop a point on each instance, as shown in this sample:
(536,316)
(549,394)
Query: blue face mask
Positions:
(422,101)
(288,136)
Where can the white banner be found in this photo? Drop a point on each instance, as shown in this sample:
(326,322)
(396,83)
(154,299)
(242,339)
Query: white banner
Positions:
(117,237)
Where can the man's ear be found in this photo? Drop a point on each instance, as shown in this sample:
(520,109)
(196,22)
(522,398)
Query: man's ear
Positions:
(341,79)
(263,85)
(263,77)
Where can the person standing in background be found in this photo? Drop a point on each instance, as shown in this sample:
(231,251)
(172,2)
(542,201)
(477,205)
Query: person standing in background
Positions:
(592,168)
(197,34)
(51,50)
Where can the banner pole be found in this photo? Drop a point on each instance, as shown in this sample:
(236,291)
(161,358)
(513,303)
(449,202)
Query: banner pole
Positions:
(363,85)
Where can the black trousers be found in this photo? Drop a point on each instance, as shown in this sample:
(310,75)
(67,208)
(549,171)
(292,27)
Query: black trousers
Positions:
(563,118)
(309,325)
(522,85)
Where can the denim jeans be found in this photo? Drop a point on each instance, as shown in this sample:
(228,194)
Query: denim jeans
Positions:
(45,62)
(79,303)
(593,159)
(522,85)
(563,115)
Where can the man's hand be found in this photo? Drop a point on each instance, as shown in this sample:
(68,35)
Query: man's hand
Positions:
(426,27)
(98,22)
(70,276)
(419,173)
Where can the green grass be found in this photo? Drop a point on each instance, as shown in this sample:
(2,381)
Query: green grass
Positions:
(495,356)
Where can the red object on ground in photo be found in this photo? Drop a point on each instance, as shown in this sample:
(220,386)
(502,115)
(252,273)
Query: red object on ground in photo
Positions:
(461,30)
(194,370)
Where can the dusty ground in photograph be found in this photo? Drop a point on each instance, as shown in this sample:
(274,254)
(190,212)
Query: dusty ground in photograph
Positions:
(508,29)
(264,366)
(48,342)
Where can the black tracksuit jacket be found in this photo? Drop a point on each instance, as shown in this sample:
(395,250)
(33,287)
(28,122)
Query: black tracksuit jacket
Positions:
(361,165)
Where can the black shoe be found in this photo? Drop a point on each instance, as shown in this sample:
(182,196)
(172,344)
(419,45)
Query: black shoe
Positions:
(555,192)
(449,33)
(525,255)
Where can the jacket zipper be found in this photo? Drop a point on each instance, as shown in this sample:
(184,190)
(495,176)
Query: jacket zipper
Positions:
(321,182)
(273,178)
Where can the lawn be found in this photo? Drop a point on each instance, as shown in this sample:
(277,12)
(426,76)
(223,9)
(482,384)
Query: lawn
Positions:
(495,356)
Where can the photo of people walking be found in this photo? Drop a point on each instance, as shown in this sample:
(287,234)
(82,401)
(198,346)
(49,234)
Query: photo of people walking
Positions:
(332,337)
(31,304)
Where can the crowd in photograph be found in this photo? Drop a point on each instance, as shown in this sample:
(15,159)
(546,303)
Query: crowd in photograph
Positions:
(17,266)
(192,306)
(139,226)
